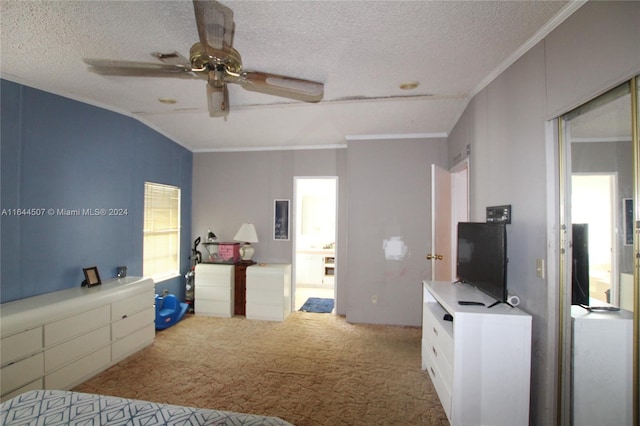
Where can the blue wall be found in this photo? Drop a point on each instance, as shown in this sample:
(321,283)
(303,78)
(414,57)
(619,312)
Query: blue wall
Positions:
(57,153)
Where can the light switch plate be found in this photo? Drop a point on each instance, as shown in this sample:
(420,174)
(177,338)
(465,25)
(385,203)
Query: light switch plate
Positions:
(540,268)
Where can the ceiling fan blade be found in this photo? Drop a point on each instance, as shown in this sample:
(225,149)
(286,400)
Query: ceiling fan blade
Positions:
(138,69)
(173,58)
(215,25)
(279,85)
(218,100)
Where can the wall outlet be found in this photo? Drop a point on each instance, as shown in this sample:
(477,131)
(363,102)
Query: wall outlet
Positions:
(374,299)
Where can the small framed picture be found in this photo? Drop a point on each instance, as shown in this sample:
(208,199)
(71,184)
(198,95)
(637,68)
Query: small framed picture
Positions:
(281,220)
(91,276)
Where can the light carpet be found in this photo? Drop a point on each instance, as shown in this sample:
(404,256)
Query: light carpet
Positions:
(311,369)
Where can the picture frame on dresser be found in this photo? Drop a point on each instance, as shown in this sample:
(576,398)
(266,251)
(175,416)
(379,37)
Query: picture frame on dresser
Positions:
(281,220)
(91,277)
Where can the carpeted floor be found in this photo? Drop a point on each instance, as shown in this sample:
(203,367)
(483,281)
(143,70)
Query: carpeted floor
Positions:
(311,369)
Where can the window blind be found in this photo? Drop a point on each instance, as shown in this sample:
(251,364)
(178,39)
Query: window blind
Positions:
(161,246)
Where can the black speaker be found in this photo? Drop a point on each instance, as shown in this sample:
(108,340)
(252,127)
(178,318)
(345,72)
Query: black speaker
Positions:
(122,271)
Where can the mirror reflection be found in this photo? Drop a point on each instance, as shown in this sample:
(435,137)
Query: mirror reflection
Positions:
(599,135)
(598,145)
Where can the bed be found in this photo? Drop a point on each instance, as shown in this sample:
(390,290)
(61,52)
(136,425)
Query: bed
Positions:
(54,407)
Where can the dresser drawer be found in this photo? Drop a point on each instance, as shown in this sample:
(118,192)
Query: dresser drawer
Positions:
(444,392)
(133,343)
(443,363)
(20,345)
(78,371)
(21,373)
(214,308)
(261,311)
(128,325)
(214,293)
(76,325)
(126,307)
(437,331)
(274,277)
(35,385)
(59,355)
(266,295)
(213,275)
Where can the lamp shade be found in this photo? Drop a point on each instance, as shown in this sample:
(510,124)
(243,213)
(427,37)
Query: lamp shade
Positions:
(247,233)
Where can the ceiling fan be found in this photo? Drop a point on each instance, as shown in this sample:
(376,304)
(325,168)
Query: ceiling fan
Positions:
(213,58)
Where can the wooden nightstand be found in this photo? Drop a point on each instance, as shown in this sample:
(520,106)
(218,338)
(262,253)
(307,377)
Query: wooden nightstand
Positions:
(240,286)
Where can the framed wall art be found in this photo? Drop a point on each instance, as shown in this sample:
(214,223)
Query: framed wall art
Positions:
(281,220)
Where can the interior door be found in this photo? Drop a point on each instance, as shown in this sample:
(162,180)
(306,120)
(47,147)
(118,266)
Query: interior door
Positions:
(442,261)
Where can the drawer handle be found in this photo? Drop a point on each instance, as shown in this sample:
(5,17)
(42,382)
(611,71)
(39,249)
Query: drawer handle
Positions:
(434,351)
(432,372)
(435,331)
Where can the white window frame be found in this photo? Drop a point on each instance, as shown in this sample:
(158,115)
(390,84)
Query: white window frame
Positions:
(161,261)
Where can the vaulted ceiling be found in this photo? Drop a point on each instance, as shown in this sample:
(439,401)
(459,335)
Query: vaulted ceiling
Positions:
(361,50)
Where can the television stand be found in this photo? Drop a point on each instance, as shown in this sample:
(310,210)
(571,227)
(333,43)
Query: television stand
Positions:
(472,388)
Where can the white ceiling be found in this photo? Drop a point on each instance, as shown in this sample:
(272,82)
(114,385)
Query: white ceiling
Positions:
(361,50)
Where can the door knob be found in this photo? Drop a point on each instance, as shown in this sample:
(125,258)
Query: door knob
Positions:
(434,256)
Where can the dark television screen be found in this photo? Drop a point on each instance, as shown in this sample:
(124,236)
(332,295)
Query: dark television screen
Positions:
(482,257)
(580,264)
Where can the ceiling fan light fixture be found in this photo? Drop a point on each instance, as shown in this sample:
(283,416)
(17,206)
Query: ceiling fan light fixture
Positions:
(218,100)
(409,85)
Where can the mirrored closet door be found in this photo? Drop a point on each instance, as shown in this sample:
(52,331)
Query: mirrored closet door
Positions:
(600,209)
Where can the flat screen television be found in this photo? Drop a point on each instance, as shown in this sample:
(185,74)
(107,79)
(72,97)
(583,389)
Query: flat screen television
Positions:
(482,258)
(580,264)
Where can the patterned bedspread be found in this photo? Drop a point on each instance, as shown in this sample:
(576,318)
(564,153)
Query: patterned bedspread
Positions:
(52,407)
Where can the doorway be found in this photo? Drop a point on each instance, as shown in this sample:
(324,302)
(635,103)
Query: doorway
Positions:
(593,204)
(315,268)
(449,206)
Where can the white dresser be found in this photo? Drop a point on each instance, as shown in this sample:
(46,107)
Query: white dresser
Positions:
(602,367)
(213,294)
(480,362)
(60,339)
(268,292)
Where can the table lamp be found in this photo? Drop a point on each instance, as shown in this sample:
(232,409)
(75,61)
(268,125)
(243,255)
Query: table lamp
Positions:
(247,234)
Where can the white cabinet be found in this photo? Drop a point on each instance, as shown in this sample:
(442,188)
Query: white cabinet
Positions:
(268,292)
(214,285)
(480,362)
(309,269)
(57,340)
(602,355)
(315,267)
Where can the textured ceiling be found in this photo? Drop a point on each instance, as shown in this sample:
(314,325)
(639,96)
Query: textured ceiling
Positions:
(360,50)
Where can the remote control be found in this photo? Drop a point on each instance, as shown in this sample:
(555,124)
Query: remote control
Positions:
(469,303)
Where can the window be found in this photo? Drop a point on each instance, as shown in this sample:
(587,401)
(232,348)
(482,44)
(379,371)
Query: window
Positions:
(161,246)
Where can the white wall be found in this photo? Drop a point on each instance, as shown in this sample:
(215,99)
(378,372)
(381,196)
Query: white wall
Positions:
(505,127)
(383,191)
(230,188)
(389,196)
